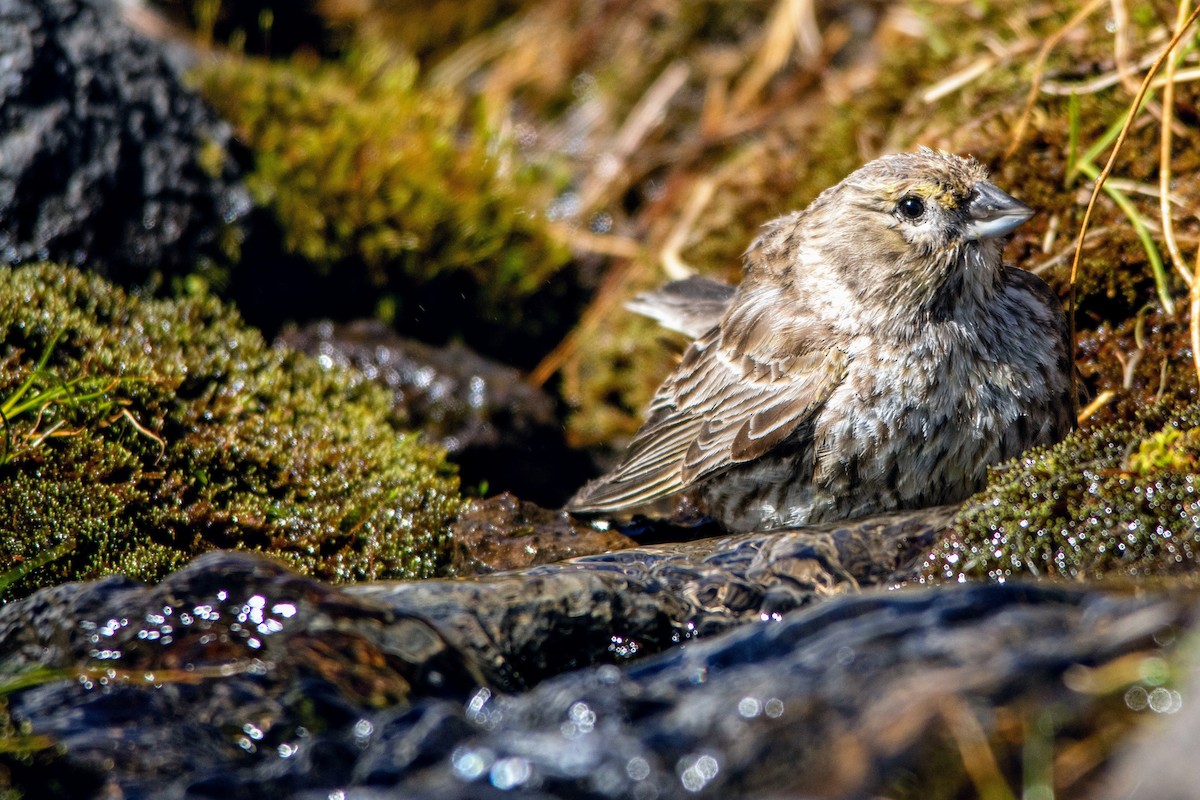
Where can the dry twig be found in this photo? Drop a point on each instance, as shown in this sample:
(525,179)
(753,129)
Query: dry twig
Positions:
(1090,410)
(673,263)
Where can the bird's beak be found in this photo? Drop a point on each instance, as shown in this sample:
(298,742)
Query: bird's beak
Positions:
(994,213)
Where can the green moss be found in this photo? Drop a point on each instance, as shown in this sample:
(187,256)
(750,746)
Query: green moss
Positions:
(1114,500)
(1167,450)
(196,435)
(396,191)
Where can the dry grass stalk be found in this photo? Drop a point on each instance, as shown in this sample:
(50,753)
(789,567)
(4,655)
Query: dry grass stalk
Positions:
(1108,166)
(975,71)
(793,24)
(1122,36)
(1164,156)
(1194,308)
(978,760)
(673,264)
(612,167)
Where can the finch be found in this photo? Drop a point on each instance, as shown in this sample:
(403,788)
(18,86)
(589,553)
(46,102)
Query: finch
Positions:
(878,355)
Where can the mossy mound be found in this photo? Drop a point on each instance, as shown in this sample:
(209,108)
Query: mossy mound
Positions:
(400,198)
(142,432)
(1113,500)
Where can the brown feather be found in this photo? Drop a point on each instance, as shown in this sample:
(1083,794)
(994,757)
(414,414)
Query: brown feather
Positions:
(730,400)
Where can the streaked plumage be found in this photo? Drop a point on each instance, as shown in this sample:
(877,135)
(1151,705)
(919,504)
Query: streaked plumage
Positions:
(877,355)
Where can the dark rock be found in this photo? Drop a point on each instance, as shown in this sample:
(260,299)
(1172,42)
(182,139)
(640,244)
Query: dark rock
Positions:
(500,430)
(235,678)
(108,159)
(225,613)
(882,694)
(235,672)
(504,533)
(523,627)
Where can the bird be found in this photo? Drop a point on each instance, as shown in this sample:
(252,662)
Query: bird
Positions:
(877,355)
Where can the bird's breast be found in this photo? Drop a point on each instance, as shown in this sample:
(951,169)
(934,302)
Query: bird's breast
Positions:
(918,421)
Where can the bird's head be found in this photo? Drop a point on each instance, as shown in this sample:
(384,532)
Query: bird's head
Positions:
(914,229)
(933,201)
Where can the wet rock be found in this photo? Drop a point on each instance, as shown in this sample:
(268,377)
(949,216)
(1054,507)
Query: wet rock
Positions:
(504,533)
(236,678)
(235,671)
(501,431)
(108,159)
(221,665)
(911,693)
(525,626)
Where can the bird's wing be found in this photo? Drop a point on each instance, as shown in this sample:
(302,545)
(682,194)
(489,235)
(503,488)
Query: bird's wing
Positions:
(741,390)
(691,306)
(1040,289)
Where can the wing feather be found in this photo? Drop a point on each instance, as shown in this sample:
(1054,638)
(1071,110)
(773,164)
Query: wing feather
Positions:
(741,390)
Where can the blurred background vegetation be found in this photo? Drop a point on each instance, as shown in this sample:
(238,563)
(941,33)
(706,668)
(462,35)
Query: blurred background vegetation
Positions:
(506,174)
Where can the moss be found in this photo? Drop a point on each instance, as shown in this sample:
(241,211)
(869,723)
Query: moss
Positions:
(399,195)
(183,432)
(1113,500)
(1167,450)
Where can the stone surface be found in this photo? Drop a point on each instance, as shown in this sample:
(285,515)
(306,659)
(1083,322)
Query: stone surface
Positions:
(107,159)
(501,431)
(706,668)
(503,533)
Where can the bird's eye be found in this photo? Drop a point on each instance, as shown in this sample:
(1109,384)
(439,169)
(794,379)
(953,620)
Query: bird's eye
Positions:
(911,207)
